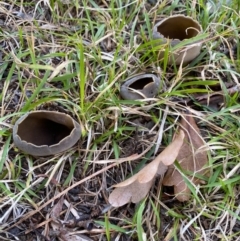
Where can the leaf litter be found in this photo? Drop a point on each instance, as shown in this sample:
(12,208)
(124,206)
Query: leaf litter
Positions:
(217,99)
(62,231)
(185,148)
(137,187)
(190,157)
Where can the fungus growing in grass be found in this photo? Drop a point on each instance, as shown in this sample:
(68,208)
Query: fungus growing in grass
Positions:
(43,133)
(140,87)
(172,31)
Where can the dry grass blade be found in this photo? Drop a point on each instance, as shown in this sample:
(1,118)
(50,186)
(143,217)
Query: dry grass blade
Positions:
(189,157)
(121,160)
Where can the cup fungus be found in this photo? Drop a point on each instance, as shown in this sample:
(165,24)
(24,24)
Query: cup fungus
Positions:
(43,133)
(140,87)
(175,29)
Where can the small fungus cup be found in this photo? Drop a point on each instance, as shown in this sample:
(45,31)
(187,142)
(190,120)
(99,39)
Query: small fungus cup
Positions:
(44,133)
(174,30)
(140,87)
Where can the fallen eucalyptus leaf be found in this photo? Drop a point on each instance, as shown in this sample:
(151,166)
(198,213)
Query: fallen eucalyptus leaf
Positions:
(190,159)
(137,187)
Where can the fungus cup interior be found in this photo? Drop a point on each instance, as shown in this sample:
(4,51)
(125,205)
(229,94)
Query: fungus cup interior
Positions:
(141,83)
(47,129)
(179,27)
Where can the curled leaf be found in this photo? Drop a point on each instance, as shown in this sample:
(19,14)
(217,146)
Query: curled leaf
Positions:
(137,187)
(190,158)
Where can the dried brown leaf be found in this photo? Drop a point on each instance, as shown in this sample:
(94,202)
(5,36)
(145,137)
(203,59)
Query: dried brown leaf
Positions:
(217,99)
(137,187)
(167,157)
(127,182)
(190,157)
(161,169)
(134,192)
(55,213)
